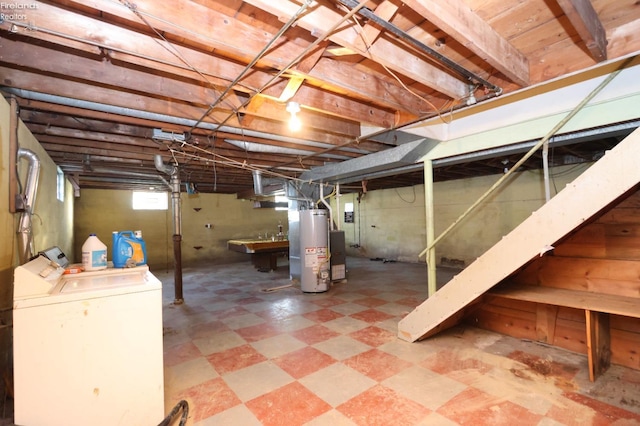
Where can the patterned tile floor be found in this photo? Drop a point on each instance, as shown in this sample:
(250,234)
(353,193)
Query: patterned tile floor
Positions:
(240,355)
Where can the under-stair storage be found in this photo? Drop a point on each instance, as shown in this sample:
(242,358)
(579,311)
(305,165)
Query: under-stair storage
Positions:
(568,276)
(584,297)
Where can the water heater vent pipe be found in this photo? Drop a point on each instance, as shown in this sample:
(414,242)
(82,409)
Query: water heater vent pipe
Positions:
(322,198)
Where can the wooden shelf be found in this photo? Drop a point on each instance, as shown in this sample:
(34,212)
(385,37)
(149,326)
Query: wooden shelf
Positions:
(599,302)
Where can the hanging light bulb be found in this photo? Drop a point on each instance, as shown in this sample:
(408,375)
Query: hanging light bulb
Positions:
(294,122)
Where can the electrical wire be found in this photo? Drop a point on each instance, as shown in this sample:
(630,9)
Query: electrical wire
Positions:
(271,80)
(408,202)
(102,46)
(174,51)
(368,44)
(291,21)
(169,46)
(221,159)
(250,65)
(294,61)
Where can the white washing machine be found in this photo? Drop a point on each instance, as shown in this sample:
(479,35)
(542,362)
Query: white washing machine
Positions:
(87,346)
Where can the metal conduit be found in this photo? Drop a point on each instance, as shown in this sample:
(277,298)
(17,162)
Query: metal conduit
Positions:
(301,55)
(367,13)
(250,65)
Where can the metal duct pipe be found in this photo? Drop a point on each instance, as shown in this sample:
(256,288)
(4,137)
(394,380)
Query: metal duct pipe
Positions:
(177,225)
(257,182)
(29,196)
(153,116)
(161,167)
(328,206)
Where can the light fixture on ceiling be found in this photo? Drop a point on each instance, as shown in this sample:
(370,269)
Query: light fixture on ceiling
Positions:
(294,122)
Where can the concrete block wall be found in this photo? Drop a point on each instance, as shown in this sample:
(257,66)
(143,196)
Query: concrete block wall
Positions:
(52,225)
(390,224)
(104,211)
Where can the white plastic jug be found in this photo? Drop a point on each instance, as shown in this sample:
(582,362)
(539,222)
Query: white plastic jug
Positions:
(94,254)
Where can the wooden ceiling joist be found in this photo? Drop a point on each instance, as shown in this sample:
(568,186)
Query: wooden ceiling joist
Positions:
(586,22)
(456,19)
(106,74)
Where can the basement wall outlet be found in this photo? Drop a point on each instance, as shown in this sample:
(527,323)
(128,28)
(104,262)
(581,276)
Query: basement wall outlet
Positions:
(208,225)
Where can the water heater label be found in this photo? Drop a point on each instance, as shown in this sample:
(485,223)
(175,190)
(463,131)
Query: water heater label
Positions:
(314,256)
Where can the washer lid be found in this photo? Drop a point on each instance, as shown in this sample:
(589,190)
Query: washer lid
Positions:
(76,284)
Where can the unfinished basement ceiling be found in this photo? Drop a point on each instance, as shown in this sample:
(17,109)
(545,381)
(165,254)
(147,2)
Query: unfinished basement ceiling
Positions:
(95,80)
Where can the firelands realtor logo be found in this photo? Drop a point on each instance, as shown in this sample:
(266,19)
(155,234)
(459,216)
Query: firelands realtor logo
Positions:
(15,11)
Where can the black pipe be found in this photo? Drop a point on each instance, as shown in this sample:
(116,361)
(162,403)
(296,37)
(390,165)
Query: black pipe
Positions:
(367,13)
(177,255)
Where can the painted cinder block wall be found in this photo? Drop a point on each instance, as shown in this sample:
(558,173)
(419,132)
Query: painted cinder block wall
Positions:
(52,224)
(390,224)
(104,211)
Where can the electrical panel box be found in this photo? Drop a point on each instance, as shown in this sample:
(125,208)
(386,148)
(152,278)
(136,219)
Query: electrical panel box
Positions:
(348,217)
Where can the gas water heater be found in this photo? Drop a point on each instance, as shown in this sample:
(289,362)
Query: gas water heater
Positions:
(314,251)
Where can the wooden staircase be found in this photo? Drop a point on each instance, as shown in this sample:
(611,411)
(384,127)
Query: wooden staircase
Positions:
(597,189)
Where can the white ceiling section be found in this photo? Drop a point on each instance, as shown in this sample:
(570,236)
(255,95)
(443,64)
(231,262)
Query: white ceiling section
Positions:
(531,113)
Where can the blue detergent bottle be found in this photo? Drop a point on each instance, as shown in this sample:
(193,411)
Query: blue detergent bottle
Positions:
(128,249)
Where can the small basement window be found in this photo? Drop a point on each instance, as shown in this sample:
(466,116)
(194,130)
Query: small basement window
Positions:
(144,200)
(282,202)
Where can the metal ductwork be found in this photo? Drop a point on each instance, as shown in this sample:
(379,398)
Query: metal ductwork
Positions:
(257,182)
(390,159)
(25,242)
(165,118)
(177,223)
(264,186)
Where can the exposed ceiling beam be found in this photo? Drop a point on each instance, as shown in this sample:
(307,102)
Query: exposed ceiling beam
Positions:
(585,20)
(370,33)
(73,90)
(382,51)
(127,45)
(456,19)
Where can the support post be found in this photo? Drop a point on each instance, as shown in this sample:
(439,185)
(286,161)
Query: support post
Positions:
(598,343)
(177,273)
(546,318)
(177,236)
(430,224)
